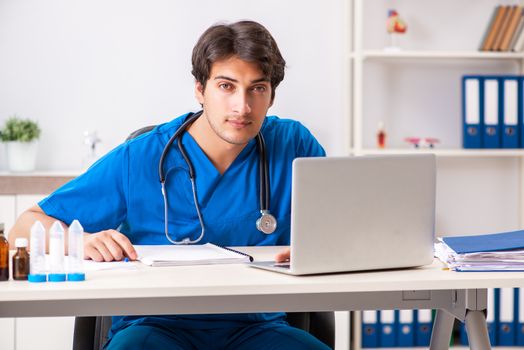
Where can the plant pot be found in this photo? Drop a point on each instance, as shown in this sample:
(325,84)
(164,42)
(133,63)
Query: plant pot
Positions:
(21,156)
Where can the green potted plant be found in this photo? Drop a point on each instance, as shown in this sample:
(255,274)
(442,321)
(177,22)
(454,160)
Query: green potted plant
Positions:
(20,137)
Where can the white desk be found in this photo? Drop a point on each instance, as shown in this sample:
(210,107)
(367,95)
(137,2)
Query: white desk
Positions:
(239,288)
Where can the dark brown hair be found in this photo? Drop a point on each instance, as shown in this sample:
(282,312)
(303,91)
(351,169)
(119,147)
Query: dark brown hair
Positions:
(248,40)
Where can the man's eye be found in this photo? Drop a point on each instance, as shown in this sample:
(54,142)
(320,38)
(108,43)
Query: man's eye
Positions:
(225,86)
(260,88)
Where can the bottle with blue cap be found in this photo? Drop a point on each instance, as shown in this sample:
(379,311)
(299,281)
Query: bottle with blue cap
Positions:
(37,269)
(56,253)
(75,259)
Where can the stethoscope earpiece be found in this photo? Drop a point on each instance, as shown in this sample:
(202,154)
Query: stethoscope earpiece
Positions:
(267,223)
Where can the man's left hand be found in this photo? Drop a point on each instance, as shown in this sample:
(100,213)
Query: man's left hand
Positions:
(283,256)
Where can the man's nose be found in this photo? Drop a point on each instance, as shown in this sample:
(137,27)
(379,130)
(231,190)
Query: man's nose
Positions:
(242,104)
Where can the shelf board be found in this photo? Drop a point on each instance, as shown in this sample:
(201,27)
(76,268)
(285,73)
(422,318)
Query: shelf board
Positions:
(444,152)
(383,54)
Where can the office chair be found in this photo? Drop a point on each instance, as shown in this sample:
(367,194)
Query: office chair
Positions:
(91,331)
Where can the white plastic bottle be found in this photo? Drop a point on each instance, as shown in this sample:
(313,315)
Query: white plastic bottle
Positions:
(56,253)
(37,269)
(75,260)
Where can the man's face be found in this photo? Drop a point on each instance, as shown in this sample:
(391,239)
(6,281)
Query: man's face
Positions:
(235,100)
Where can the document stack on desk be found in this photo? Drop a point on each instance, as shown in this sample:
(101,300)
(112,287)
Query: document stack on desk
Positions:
(491,252)
(178,255)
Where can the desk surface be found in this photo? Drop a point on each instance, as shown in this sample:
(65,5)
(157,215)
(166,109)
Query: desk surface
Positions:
(237,285)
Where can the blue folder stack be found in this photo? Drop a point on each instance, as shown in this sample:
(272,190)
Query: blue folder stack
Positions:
(492,252)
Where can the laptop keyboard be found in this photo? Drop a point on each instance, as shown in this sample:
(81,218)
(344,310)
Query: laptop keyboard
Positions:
(283,265)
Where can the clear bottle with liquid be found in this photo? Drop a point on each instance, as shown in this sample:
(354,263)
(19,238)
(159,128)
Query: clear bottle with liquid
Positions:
(56,253)
(37,269)
(21,260)
(4,255)
(75,259)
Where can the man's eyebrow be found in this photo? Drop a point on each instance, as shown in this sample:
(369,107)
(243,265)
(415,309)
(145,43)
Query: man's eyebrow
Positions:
(260,80)
(218,77)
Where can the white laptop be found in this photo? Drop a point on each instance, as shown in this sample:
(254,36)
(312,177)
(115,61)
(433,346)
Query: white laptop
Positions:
(360,213)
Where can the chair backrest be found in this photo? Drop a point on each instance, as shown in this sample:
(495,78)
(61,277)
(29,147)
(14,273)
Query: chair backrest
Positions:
(91,332)
(140,131)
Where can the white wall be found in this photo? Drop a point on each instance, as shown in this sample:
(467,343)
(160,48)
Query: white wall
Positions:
(114,66)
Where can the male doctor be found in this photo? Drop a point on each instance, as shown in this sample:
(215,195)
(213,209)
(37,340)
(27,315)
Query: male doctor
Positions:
(237,68)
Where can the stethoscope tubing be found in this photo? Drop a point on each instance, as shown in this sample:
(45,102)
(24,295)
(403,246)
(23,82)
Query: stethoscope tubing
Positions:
(263,174)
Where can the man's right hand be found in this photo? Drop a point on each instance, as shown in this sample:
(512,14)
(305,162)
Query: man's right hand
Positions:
(109,245)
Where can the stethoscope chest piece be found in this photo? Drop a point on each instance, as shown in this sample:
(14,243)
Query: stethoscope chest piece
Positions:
(266,223)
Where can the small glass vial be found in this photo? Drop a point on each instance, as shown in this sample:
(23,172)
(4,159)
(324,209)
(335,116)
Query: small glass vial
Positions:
(37,269)
(381,136)
(4,256)
(75,259)
(21,260)
(56,253)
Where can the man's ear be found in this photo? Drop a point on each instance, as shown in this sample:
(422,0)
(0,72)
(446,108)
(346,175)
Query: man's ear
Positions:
(199,92)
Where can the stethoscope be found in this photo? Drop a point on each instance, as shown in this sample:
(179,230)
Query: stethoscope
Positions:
(267,223)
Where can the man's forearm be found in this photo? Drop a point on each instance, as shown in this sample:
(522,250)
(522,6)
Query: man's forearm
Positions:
(22,226)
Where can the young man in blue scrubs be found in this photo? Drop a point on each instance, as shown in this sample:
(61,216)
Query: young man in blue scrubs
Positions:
(237,68)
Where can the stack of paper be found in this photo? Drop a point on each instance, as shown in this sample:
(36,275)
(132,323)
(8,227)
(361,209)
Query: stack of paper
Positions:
(177,255)
(492,252)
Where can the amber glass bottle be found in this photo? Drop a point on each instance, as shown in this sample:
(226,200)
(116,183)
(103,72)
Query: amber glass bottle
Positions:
(4,255)
(21,260)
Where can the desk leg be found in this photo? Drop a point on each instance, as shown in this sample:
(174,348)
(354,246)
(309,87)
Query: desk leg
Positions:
(442,329)
(477,330)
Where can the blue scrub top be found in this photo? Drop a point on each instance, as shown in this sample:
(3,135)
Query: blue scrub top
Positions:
(122,191)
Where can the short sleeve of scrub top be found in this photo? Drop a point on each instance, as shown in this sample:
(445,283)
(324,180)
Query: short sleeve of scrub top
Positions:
(97,198)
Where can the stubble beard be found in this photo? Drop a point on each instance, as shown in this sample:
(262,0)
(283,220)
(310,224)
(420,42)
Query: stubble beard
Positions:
(222,134)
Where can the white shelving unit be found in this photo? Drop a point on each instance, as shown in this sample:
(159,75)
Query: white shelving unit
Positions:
(402,107)
(381,54)
(439,152)
(427,50)
(416,92)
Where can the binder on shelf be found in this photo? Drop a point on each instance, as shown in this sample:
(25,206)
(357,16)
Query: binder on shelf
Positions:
(518,31)
(521,109)
(463,335)
(472,96)
(510,112)
(387,335)
(519,42)
(492,34)
(520,318)
(503,28)
(405,328)
(423,327)
(491,113)
(506,317)
(490,316)
(513,22)
(369,329)
(489,33)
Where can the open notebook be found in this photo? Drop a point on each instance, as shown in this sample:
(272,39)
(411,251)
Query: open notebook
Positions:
(178,255)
